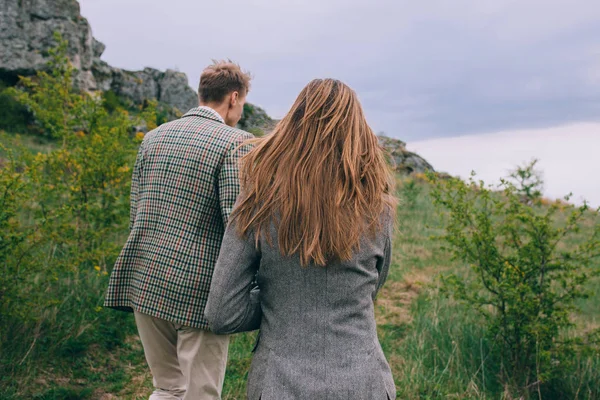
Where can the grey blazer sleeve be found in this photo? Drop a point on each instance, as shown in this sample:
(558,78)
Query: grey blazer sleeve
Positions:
(233,302)
(383,264)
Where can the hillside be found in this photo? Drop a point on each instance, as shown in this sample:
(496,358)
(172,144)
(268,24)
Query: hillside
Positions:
(436,348)
(490,294)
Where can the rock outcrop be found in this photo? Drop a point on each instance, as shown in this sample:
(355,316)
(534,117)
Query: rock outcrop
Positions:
(26,35)
(402,160)
(256,120)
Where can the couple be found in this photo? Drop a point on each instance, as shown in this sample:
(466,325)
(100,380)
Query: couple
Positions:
(290,233)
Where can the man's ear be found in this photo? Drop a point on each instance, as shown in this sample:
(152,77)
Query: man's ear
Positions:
(233,99)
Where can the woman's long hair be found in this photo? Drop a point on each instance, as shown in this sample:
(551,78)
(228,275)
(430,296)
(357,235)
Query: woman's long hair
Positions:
(320,176)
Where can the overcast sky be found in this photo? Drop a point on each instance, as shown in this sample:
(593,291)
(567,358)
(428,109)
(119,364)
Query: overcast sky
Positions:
(422,69)
(568,157)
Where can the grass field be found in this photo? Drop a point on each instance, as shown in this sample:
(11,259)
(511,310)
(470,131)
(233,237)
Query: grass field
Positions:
(437,349)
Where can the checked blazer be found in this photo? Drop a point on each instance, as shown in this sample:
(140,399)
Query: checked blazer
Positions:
(184,185)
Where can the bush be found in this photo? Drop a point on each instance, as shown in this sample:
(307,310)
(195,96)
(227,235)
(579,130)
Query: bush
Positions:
(524,283)
(528,182)
(63,220)
(49,96)
(12,194)
(254,119)
(14,117)
(112,102)
(410,191)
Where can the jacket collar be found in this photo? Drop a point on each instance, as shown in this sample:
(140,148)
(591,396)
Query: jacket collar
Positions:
(204,112)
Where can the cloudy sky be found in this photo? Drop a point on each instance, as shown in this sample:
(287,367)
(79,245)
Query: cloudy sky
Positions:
(423,69)
(568,157)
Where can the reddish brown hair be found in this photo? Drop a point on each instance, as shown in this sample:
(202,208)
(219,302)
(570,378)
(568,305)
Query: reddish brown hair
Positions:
(321,172)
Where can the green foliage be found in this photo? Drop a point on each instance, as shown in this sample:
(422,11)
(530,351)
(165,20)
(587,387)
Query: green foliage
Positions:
(247,114)
(256,132)
(64,216)
(528,182)
(162,113)
(12,193)
(254,119)
(526,277)
(50,96)
(112,102)
(410,192)
(63,219)
(14,117)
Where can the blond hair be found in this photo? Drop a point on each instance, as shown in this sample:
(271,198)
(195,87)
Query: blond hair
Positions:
(220,79)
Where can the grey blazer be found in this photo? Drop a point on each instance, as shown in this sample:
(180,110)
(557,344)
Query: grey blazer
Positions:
(318,337)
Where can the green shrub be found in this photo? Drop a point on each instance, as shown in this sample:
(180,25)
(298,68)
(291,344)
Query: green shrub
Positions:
(64,217)
(112,102)
(13,192)
(410,192)
(528,182)
(254,118)
(14,117)
(50,97)
(525,283)
(256,132)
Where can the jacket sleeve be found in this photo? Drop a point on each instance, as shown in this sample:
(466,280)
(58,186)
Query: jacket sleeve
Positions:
(234,299)
(383,263)
(135,185)
(383,267)
(229,176)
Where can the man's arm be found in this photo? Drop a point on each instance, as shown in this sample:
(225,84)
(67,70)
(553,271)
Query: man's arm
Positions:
(229,176)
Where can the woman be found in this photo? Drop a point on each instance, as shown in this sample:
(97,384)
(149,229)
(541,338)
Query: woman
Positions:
(312,229)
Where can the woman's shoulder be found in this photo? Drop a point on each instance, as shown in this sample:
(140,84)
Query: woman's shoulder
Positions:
(387,221)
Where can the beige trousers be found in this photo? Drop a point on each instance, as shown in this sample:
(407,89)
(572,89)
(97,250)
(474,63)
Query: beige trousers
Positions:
(186,363)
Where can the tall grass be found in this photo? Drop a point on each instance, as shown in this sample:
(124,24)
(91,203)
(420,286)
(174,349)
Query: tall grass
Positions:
(437,349)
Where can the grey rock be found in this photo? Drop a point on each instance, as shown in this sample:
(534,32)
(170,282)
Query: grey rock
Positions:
(52,9)
(175,91)
(103,73)
(26,34)
(85,80)
(136,86)
(402,160)
(98,48)
(256,120)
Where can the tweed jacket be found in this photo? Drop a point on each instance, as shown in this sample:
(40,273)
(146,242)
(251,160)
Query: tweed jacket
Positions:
(185,183)
(318,336)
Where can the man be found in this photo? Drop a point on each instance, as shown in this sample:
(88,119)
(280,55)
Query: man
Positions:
(185,182)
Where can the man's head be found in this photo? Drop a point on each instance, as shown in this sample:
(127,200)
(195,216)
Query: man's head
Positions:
(223,87)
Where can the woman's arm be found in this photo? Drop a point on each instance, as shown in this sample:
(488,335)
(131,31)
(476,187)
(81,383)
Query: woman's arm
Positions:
(383,266)
(383,263)
(233,302)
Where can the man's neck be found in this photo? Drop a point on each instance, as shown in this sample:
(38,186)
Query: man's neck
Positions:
(220,109)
